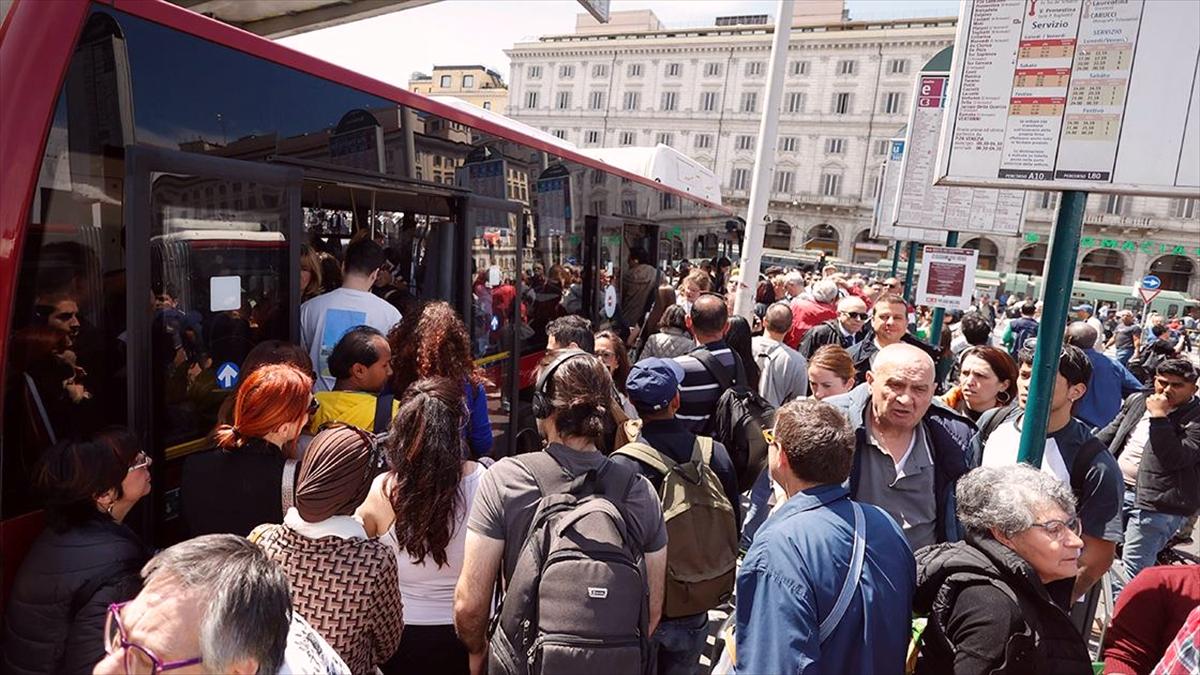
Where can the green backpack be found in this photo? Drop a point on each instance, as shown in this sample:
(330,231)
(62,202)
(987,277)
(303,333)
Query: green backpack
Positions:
(702,531)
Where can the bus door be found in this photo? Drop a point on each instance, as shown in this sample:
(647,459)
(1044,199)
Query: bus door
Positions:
(212,270)
(622,293)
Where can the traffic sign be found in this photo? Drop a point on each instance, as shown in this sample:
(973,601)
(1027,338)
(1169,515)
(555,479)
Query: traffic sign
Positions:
(227,375)
(1151,282)
(1148,294)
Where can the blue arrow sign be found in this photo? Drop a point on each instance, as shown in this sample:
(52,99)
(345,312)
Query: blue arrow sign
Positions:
(1151,282)
(227,375)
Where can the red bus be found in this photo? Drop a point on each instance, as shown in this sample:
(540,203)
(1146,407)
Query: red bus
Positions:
(162,165)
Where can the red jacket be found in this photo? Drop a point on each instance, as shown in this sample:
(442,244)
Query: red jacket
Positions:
(1149,613)
(805,315)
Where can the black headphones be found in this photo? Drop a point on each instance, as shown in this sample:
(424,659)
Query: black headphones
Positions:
(542,408)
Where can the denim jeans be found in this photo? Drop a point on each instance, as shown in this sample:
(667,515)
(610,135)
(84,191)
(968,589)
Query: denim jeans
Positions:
(679,642)
(1146,533)
(1123,355)
(758,510)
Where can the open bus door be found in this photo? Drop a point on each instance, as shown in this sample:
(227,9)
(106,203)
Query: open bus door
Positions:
(212,260)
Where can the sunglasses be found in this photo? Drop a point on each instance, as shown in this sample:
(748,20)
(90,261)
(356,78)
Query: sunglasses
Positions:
(861,316)
(769,436)
(313,406)
(142,461)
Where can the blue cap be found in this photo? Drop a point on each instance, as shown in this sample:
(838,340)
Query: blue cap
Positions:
(1084,308)
(652,383)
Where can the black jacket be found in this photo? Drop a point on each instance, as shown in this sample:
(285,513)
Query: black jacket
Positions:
(990,614)
(1168,479)
(59,601)
(234,491)
(827,333)
(863,354)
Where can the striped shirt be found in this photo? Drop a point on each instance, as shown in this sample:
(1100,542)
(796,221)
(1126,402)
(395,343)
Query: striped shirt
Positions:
(700,390)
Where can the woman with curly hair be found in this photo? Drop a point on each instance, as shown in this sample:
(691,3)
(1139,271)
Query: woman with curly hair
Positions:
(611,351)
(419,509)
(434,342)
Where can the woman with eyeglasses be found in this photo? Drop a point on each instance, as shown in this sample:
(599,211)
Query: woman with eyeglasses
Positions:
(987,378)
(246,478)
(83,561)
(343,581)
(419,510)
(611,351)
(999,601)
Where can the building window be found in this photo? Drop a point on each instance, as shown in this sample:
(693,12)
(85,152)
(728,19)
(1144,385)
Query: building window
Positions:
(831,184)
(487,105)
(633,70)
(596,100)
(795,102)
(1184,208)
(628,137)
(875,183)
(566,71)
(1115,205)
(674,69)
(847,67)
(788,143)
(754,68)
(712,69)
(468,81)
(749,101)
(898,66)
(560,133)
(782,182)
(1048,200)
(666,201)
(709,101)
(799,68)
(835,146)
(534,72)
(745,143)
(600,70)
(531,99)
(629,207)
(841,103)
(892,102)
(592,137)
(664,138)
(632,100)
(669,99)
(881,146)
(563,100)
(740,179)
(702,141)
(446,79)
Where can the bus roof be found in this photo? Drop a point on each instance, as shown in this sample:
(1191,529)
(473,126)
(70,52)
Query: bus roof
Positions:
(666,165)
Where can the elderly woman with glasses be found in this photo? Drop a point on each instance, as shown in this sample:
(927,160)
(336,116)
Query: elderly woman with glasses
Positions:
(998,601)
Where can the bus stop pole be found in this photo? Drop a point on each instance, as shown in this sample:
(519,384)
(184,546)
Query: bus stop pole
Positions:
(908,275)
(764,155)
(939,314)
(896,258)
(1056,299)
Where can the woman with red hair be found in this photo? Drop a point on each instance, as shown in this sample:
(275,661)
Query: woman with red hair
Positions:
(434,343)
(245,479)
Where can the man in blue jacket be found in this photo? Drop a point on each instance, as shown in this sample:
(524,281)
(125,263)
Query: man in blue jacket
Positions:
(1111,382)
(827,585)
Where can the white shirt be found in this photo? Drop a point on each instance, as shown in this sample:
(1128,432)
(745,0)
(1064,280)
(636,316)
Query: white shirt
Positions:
(307,653)
(326,318)
(1002,447)
(1135,446)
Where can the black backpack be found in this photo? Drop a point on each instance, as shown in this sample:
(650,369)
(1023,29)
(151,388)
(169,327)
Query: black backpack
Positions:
(577,601)
(739,420)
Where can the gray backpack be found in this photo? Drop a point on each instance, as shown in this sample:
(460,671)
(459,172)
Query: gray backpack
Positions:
(577,601)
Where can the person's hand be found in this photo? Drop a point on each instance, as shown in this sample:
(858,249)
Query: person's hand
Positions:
(478,662)
(1157,406)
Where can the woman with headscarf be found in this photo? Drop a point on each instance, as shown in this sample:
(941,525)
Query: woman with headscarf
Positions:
(343,582)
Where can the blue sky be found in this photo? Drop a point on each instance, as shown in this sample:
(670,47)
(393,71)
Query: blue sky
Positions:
(392,46)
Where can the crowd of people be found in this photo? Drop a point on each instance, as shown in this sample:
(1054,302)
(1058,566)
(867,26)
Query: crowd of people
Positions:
(819,470)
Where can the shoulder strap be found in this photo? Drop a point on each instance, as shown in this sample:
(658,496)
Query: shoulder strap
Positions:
(289,484)
(546,471)
(1079,467)
(383,412)
(850,585)
(703,448)
(647,455)
(713,366)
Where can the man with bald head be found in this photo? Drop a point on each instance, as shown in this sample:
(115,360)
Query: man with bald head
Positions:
(1111,382)
(845,330)
(910,451)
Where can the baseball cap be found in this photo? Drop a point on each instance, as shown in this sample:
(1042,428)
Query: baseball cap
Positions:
(653,382)
(1083,308)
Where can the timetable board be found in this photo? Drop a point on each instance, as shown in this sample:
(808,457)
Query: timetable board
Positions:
(885,226)
(935,210)
(1094,95)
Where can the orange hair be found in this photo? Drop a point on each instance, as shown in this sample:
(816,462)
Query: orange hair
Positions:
(271,396)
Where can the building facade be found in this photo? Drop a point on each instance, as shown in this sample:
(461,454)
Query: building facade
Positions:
(847,90)
(476,85)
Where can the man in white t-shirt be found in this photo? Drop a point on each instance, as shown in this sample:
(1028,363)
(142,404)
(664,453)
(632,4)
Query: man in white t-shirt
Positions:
(326,318)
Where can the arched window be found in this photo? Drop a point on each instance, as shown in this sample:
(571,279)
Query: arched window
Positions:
(989,253)
(778,236)
(1175,271)
(822,238)
(1032,259)
(1103,265)
(868,251)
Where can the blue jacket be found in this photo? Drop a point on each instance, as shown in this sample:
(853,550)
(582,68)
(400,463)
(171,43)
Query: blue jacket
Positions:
(1111,383)
(479,433)
(791,578)
(950,443)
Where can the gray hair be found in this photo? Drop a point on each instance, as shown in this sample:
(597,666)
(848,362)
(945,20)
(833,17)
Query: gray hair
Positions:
(1004,498)
(248,598)
(825,290)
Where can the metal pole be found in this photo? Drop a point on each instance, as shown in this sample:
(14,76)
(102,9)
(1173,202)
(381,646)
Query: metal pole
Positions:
(1056,296)
(939,314)
(908,275)
(764,162)
(896,258)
